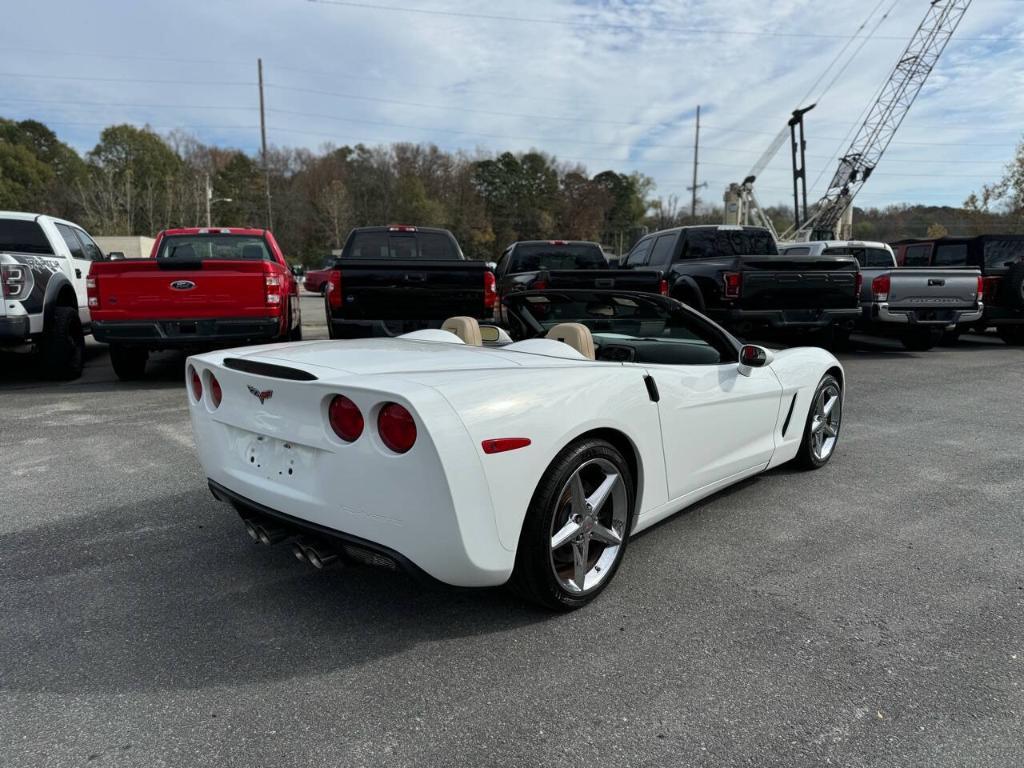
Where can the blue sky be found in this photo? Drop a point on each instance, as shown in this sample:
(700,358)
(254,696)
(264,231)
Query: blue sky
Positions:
(606,83)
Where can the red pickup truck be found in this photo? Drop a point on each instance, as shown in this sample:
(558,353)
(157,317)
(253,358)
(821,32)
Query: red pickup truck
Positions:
(200,289)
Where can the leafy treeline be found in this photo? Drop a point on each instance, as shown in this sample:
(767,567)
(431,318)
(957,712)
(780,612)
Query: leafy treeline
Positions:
(135,181)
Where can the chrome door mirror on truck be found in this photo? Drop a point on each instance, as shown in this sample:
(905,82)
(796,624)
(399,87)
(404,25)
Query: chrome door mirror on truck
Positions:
(115,256)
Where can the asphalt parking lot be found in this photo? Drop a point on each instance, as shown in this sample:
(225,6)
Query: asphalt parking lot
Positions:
(869,614)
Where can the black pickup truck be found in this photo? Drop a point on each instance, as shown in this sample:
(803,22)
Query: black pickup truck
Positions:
(735,276)
(533,265)
(396,279)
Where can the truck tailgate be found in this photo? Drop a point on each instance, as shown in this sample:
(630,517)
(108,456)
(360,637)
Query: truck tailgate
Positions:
(645,280)
(913,287)
(798,282)
(413,289)
(143,290)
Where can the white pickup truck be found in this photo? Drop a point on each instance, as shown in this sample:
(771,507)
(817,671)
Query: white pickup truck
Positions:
(915,304)
(44,266)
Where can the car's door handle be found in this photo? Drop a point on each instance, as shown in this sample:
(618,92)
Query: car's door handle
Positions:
(78,273)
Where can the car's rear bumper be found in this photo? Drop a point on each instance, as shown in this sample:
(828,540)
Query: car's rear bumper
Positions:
(788,319)
(170,334)
(353,547)
(881,314)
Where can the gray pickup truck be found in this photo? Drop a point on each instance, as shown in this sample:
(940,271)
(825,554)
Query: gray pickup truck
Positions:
(915,304)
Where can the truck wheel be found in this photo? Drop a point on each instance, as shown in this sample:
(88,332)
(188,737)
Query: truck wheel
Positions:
(921,339)
(129,363)
(951,338)
(63,345)
(576,528)
(1012,334)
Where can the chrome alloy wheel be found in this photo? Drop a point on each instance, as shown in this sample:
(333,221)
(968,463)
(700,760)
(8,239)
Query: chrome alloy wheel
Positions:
(588,526)
(826,416)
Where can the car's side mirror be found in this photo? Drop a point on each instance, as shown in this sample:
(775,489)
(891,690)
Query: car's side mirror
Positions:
(753,356)
(115,256)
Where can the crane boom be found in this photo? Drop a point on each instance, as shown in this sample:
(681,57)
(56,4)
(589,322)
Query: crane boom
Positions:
(883,118)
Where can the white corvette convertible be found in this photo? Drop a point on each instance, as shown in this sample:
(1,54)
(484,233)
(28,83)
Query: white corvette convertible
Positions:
(485,463)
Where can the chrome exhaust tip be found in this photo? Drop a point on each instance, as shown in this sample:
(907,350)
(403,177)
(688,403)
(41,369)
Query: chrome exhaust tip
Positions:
(299,552)
(251,530)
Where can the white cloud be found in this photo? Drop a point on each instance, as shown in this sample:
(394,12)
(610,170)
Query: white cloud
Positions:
(629,92)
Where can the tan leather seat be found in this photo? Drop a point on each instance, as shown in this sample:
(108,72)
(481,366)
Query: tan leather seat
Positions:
(576,335)
(466,328)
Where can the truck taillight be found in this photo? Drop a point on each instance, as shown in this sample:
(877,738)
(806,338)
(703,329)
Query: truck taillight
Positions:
(663,287)
(981,289)
(490,290)
(334,289)
(858,284)
(15,281)
(538,285)
(880,288)
(401,228)
(733,284)
(272,285)
(990,287)
(92,290)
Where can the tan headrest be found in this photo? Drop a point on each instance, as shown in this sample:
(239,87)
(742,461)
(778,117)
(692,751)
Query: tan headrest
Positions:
(466,328)
(576,335)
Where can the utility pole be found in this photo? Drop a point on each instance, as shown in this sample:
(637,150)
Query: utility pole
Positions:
(209,199)
(696,186)
(263,140)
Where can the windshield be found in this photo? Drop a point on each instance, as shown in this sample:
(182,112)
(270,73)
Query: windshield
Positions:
(535,257)
(228,247)
(21,236)
(1004,253)
(401,245)
(627,327)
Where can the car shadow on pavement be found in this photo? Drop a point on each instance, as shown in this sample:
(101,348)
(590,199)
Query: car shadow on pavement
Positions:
(197,604)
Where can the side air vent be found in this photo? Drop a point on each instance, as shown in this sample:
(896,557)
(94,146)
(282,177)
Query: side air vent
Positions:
(785,424)
(267,369)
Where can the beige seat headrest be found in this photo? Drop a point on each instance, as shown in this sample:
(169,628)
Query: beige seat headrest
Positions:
(466,328)
(576,335)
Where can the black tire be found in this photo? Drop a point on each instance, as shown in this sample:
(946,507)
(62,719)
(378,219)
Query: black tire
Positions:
(840,341)
(807,457)
(1012,334)
(535,577)
(951,338)
(129,363)
(921,339)
(296,334)
(63,345)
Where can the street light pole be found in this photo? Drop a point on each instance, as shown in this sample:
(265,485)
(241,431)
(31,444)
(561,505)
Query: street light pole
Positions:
(210,199)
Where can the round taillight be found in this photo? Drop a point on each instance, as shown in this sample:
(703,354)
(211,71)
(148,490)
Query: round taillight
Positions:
(197,384)
(396,427)
(215,393)
(345,417)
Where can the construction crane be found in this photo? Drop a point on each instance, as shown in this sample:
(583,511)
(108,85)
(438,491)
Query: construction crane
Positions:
(884,118)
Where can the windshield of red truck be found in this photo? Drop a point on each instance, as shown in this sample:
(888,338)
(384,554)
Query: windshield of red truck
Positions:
(203,247)
(535,257)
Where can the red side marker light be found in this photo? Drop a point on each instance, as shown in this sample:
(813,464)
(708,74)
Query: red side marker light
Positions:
(502,444)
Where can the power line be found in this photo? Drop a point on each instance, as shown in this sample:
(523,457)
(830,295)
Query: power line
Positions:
(247,84)
(580,23)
